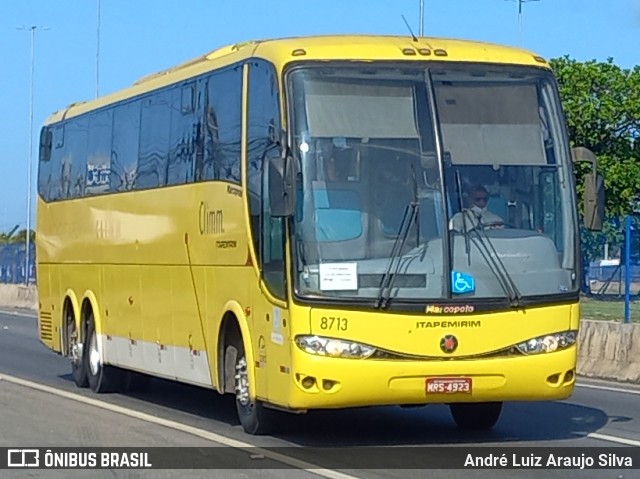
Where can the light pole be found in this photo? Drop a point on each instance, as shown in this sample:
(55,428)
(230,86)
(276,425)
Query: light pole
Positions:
(97,48)
(520,2)
(31,29)
(422,18)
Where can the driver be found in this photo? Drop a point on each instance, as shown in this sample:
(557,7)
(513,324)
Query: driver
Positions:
(477,215)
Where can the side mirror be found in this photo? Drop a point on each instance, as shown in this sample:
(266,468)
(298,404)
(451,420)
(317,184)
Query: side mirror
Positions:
(282,185)
(593,201)
(593,198)
(46,139)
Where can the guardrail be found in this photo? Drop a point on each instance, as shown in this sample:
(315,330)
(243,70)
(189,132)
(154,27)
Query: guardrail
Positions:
(609,350)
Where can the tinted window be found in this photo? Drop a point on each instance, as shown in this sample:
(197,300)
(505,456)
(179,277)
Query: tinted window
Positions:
(74,158)
(99,153)
(124,156)
(49,172)
(263,127)
(183,138)
(168,137)
(155,122)
(223,115)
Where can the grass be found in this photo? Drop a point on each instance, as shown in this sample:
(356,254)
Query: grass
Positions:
(609,309)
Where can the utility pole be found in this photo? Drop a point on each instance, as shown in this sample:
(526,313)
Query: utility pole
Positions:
(421,18)
(31,29)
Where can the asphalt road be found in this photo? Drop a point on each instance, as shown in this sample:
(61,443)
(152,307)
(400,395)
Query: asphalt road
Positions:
(56,413)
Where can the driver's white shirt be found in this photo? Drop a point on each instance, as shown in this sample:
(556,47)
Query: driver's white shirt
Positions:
(473,218)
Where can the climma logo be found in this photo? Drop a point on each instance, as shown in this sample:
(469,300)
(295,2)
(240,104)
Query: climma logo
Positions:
(23,458)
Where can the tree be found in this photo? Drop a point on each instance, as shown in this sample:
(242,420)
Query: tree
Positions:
(602,107)
(21,236)
(11,236)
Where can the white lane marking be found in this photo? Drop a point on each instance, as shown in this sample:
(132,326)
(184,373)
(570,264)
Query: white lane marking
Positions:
(18,313)
(618,440)
(227,441)
(608,388)
(239,444)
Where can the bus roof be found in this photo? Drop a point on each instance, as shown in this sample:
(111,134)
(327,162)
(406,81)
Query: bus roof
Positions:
(337,47)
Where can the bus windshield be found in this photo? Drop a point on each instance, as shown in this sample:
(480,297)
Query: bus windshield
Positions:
(441,182)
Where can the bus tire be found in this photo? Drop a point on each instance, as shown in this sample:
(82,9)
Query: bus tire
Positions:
(78,363)
(476,416)
(254,417)
(102,378)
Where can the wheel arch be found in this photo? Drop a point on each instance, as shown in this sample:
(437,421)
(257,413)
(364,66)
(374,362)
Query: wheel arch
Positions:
(70,302)
(233,328)
(90,305)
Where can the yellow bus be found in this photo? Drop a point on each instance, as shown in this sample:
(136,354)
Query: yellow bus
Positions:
(315,223)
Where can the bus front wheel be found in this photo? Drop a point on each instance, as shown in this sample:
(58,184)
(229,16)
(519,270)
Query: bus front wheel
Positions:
(254,417)
(476,416)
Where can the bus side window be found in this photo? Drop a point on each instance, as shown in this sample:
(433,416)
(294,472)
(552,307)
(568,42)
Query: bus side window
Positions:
(183,135)
(222,126)
(125,146)
(263,120)
(154,140)
(74,158)
(49,171)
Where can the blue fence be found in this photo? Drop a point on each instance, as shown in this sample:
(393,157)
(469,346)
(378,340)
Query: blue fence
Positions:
(12,263)
(612,272)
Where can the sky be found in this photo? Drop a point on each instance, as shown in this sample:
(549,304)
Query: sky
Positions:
(138,37)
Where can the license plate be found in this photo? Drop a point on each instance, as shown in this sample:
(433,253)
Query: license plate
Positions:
(448,385)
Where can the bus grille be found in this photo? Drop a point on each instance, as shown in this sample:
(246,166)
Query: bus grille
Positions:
(46,326)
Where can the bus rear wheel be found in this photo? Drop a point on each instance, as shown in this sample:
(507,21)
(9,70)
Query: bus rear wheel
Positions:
(476,416)
(74,350)
(254,417)
(102,378)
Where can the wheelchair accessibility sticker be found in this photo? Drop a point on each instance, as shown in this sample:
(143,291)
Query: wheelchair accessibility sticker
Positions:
(462,283)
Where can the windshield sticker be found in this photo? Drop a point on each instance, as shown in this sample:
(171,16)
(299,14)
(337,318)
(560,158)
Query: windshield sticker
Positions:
(462,283)
(262,353)
(276,333)
(339,276)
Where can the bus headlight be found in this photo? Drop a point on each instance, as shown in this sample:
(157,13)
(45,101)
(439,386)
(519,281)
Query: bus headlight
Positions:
(335,348)
(548,343)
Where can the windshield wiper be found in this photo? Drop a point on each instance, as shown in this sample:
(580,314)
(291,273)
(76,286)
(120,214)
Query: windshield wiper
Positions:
(395,257)
(486,249)
(465,232)
(497,267)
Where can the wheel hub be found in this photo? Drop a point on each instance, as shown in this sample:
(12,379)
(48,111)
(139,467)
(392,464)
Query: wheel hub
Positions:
(242,383)
(94,355)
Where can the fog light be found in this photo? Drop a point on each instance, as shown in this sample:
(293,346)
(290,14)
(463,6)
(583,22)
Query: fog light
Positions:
(554,378)
(568,377)
(327,384)
(308,382)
